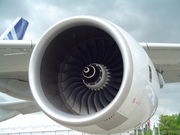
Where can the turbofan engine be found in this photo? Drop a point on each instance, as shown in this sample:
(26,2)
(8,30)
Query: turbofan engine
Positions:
(88,74)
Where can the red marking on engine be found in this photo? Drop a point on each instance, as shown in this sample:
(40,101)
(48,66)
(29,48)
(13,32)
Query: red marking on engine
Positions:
(135,101)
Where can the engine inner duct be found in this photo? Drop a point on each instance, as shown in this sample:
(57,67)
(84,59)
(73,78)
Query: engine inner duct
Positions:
(83,67)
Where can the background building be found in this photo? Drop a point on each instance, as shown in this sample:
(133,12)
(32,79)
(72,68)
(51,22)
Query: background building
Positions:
(36,124)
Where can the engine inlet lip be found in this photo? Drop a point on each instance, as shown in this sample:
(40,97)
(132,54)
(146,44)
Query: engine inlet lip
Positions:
(35,64)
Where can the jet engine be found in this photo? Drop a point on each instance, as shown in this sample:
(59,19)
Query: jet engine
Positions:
(88,74)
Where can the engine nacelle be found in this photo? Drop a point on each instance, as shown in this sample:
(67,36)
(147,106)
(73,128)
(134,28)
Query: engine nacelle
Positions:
(90,75)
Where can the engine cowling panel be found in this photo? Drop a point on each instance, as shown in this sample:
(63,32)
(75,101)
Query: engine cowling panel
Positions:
(85,74)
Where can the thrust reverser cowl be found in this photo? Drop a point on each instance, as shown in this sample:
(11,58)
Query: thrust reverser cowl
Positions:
(90,75)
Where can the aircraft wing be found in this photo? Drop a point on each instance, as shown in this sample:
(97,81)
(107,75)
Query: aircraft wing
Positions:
(14,58)
(165,57)
(15,55)
(11,109)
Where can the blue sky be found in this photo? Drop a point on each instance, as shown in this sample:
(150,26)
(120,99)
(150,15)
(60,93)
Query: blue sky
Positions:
(146,21)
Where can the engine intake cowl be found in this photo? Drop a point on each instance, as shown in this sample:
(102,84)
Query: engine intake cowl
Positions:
(81,72)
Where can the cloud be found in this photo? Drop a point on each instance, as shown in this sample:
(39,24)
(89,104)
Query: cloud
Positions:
(169,98)
(152,21)
(11,9)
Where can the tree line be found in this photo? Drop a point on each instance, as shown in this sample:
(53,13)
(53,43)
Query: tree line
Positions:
(170,124)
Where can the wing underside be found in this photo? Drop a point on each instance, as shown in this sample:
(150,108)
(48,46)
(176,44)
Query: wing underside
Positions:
(166,58)
(13,108)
